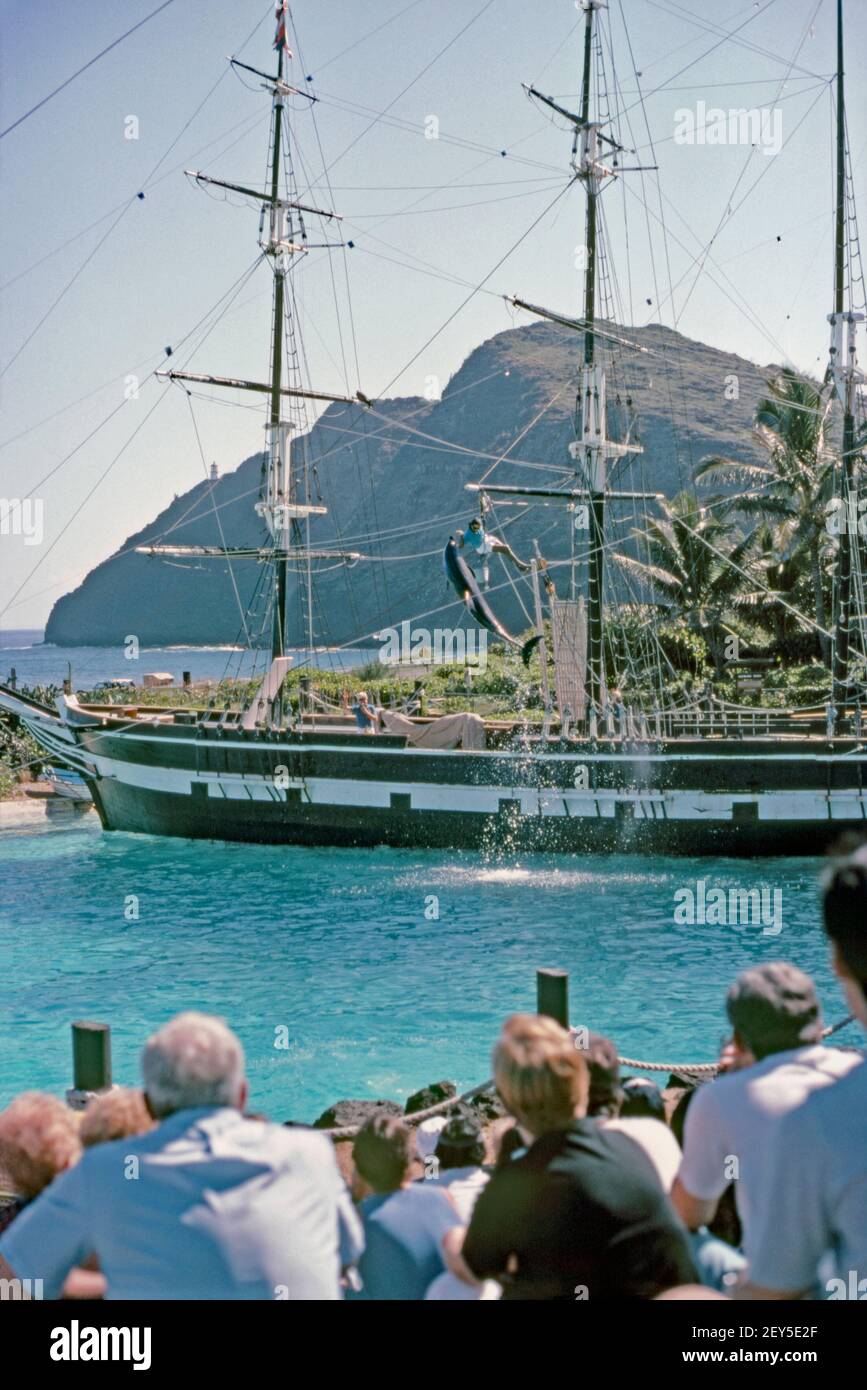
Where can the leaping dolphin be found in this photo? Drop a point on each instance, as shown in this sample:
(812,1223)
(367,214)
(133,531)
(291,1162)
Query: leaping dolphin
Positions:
(464,582)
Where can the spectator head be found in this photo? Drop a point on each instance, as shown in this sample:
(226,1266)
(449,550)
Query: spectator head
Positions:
(117,1114)
(38,1140)
(600,1054)
(773,1008)
(194,1060)
(384,1151)
(642,1100)
(845,913)
(461,1143)
(540,1074)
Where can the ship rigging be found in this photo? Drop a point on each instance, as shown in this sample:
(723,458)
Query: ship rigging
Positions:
(600,772)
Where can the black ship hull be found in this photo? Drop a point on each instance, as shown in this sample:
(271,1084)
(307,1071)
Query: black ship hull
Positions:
(713,795)
(161,813)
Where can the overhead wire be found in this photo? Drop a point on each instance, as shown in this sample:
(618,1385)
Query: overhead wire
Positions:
(137,196)
(218,519)
(89,64)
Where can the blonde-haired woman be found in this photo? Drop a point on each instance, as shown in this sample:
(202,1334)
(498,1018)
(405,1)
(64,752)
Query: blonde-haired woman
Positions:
(581,1214)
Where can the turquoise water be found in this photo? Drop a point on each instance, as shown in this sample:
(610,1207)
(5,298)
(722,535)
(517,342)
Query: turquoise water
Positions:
(334,947)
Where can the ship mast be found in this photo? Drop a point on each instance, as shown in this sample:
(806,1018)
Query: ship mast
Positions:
(277,506)
(843,369)
(592,448)
(278,438)
(591,381)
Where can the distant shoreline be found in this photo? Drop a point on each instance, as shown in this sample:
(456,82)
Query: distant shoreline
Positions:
(40,645)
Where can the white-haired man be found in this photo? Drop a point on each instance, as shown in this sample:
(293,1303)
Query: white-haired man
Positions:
(209,1204)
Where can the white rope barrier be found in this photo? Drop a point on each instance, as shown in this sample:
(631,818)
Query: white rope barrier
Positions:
(683,1069)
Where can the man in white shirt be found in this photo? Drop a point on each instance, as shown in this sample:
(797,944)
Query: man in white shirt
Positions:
(779,1062)
(208,1205)
(816,1203)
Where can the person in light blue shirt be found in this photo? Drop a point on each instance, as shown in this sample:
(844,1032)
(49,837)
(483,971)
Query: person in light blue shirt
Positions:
(366,716)
(404,1222)
(208,1205)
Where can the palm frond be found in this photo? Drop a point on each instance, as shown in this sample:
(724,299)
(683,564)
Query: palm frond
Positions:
(714,468)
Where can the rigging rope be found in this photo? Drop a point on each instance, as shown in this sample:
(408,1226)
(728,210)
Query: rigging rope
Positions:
(475,291)
(84,68)
(219,522)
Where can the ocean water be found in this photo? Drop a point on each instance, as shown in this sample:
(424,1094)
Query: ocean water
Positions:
(35,664)
(373,997)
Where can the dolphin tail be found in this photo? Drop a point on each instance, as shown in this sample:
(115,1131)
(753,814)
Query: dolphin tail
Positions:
(529,647)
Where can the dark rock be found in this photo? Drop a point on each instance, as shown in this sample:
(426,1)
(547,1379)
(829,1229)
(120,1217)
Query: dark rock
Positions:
(487,1106)
(354,1112)
(677,1082)
(430,1095)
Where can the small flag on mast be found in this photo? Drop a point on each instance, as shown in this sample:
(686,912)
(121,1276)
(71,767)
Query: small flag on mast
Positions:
(280,39)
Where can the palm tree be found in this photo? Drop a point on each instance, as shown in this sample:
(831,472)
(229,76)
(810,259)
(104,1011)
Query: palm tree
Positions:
(694,569)
(784,589)
(793,487)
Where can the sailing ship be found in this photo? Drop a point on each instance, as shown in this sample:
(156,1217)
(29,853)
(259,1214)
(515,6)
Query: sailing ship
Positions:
(598,774)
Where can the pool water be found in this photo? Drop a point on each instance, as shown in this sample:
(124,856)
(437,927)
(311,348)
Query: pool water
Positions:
(365,973)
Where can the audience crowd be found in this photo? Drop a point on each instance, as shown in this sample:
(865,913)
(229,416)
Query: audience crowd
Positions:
(750,1185)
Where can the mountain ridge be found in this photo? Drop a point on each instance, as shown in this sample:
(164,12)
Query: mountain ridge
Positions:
(509,408)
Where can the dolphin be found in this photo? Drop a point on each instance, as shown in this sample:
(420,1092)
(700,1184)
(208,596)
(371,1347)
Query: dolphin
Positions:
(463,581)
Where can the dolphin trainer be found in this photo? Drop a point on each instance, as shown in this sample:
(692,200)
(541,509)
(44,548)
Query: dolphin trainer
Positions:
(464,583)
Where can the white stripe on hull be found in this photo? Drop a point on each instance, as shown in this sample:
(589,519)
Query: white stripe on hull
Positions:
(671,805)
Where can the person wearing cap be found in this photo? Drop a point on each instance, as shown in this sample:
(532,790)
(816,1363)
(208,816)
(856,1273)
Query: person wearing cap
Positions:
(460,1156)
(815,1210)
(778,1063)
(480,545)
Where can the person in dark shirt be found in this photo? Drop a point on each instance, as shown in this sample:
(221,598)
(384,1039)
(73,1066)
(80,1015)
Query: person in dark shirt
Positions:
(579,1215)
(404,1222)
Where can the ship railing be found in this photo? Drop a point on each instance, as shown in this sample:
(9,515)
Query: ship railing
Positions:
(631,729)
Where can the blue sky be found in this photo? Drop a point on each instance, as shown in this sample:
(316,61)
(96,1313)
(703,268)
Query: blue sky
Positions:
(429,217)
